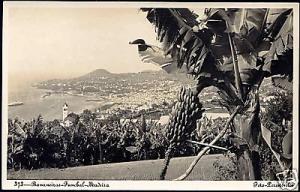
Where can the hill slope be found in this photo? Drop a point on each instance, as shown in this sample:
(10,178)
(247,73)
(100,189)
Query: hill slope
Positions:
(138,170)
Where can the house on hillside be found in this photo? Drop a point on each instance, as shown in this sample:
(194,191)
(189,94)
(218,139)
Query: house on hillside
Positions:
(71,119)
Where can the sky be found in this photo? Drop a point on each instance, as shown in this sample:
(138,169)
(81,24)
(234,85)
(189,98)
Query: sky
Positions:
(51,42)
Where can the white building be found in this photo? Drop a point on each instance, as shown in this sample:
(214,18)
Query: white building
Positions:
(65,111)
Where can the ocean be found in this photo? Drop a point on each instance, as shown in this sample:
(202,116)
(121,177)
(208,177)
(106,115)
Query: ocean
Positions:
(49,107)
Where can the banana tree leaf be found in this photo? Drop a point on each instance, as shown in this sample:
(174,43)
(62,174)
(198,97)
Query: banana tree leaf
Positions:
(279,59)
(246,22)
(155,55)
(243,23)
(174,28)
(190,18)
(205,53)
(249,24)
(247,61)
(221,47)
(275,20)
(252,24)
(267,136)
(19,130)
(197,45)
(243,46)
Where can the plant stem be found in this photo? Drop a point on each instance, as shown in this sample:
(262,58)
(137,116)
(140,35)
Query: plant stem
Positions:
(238,81)
(201,153)
(169,154)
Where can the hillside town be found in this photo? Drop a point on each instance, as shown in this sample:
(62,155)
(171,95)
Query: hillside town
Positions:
(136,91)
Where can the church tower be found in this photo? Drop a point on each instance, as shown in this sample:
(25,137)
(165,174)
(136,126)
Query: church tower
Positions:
(65,111)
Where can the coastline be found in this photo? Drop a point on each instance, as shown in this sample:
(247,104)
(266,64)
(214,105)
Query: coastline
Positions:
(50,107)
(49,104)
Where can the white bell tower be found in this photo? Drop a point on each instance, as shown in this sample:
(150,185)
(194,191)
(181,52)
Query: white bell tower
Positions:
(65,111)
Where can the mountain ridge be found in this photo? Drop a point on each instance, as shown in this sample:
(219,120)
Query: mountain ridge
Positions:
(101,74)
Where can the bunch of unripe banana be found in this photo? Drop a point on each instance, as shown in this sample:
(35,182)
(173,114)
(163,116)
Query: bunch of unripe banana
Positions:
(182,123)
(183,117)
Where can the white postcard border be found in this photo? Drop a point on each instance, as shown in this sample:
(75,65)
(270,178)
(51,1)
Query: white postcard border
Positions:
(146,185)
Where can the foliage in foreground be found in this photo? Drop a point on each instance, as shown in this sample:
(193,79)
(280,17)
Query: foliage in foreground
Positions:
(38,143)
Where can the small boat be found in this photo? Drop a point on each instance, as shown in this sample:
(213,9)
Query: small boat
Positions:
(46,95)
(95,100)
(16,103)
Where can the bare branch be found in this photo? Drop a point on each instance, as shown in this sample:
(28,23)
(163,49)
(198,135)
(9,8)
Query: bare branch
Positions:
(201,153)
(206,144)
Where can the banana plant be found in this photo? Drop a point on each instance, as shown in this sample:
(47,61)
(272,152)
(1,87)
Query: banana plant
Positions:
(231,49)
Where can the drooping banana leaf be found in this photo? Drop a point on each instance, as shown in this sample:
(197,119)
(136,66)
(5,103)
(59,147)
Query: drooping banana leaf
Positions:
(185,46)
(155,55)
(255,25)
(247,25)
(194,51)
(279,59)
(275,21)
(205,52)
